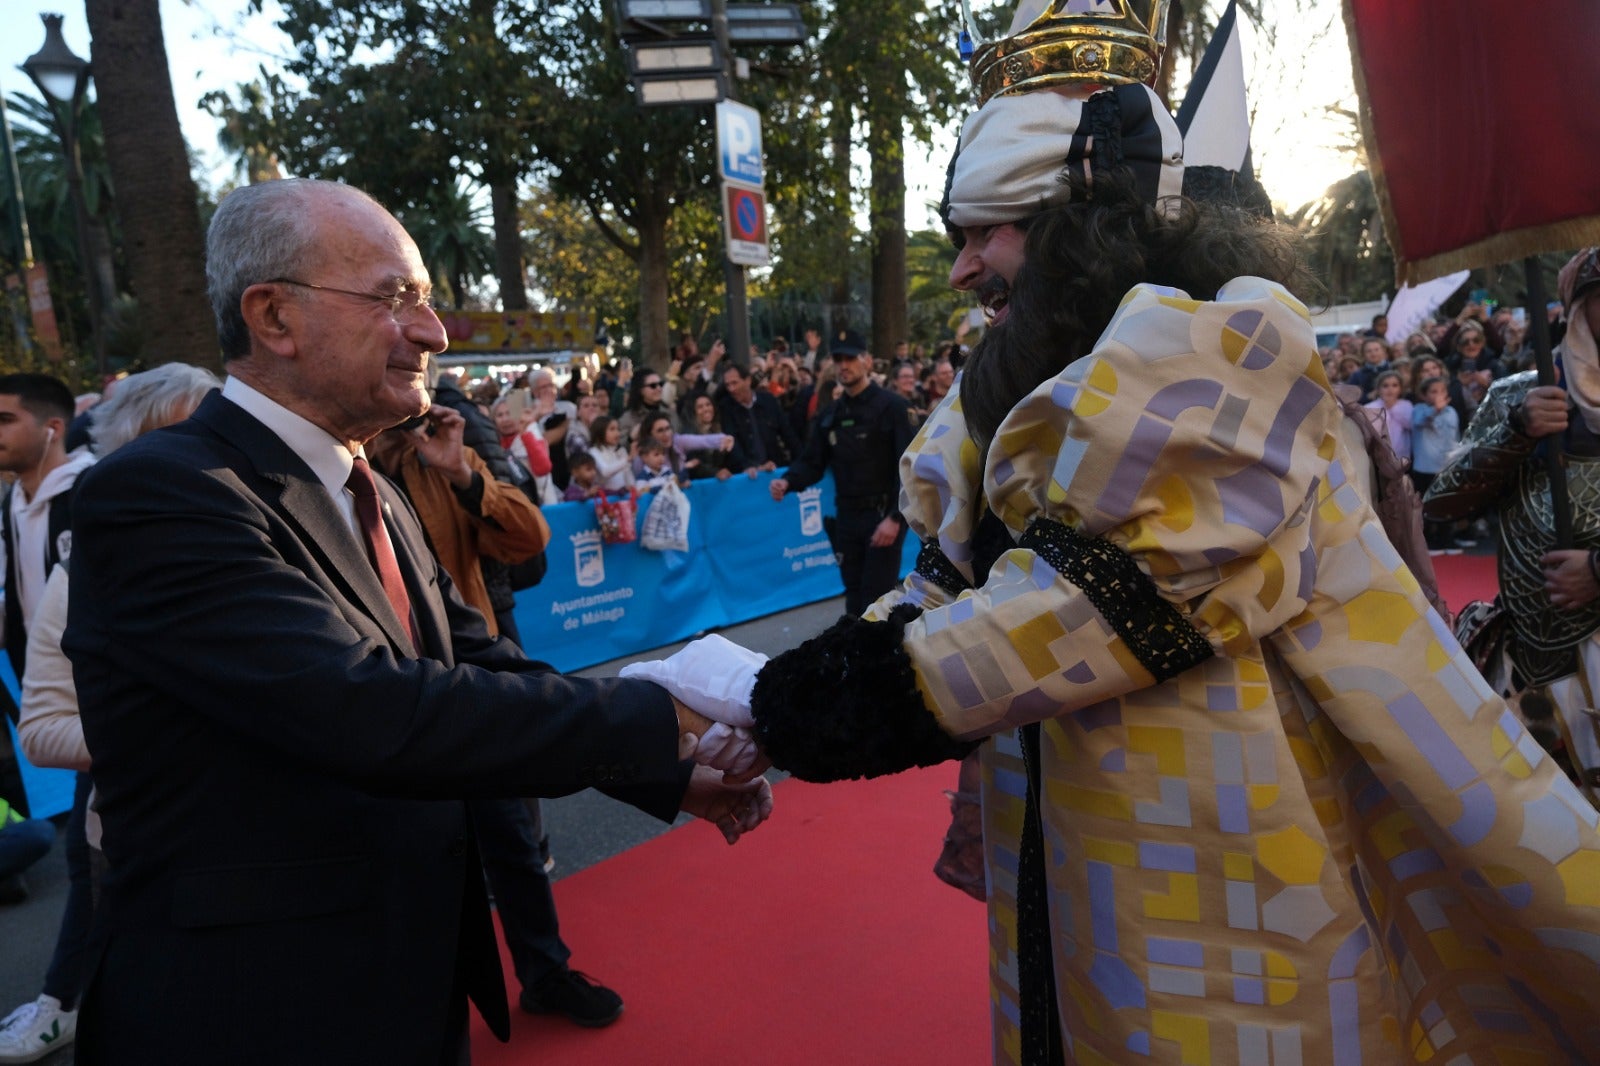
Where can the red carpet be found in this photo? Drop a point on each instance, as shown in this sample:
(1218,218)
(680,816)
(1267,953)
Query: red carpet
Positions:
(822,938)
(1464,578)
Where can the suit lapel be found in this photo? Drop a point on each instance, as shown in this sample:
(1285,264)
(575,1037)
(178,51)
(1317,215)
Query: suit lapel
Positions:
(295,493)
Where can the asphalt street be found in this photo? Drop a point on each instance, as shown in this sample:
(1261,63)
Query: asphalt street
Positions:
(583,829)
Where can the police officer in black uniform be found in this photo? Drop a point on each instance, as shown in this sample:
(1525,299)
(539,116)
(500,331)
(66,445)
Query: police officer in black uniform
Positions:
(860,437)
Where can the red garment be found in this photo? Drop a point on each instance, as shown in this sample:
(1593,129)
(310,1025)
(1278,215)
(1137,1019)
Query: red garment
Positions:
(538,451)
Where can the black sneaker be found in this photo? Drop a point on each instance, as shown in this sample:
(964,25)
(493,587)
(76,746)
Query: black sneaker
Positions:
(575,997)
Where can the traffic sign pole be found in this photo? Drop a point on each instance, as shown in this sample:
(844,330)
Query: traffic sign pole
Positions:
(738,339)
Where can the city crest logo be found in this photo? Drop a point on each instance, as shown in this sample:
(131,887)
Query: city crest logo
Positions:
(588,559)
(810,512)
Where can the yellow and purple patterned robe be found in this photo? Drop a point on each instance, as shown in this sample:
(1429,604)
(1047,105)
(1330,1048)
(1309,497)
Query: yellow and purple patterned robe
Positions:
(1330,843)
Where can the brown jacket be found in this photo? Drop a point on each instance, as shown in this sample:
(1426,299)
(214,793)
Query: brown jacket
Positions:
(487,518)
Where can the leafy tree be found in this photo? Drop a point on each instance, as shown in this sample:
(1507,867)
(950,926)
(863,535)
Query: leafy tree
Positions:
(898,63)
(162,242)
(403,96)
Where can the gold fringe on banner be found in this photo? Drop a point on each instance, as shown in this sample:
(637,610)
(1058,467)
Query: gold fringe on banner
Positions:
(1566,235)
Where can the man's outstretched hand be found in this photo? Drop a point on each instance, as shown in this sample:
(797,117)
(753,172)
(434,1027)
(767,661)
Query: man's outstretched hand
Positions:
(734,809)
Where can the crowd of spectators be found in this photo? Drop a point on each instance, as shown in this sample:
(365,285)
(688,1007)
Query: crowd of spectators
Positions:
(1423,390)
(711,416)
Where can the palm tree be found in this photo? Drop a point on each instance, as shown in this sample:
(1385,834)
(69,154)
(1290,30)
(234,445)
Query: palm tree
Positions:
(1345,232)
(52,221)
(452,233)
(162,240)
(248,129)
(929,258)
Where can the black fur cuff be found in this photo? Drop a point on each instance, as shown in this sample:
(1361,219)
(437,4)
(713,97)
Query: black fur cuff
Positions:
(1163,640)
(845,704)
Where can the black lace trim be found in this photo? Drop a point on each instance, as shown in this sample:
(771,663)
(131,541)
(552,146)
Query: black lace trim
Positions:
(1102,120)
(933,565)
(1163,641)
(845,704)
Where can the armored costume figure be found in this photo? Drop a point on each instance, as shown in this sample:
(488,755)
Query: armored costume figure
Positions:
(1245,798)
(1538,645)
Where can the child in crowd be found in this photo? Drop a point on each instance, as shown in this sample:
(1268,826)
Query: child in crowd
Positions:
(590,407)
(1391,411)
(1423,368)
(1436,430)
(585,478)
(611,456)
(678,446)
(651,470)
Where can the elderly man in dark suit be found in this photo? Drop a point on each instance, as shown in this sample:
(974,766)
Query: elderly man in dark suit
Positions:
(287,701)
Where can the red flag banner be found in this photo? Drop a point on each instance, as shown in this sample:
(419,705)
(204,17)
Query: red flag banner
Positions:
(1482,125)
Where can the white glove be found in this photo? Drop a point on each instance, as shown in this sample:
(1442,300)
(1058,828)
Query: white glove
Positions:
(712,675)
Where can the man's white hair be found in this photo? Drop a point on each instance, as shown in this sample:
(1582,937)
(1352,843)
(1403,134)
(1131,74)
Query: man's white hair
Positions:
(146,401)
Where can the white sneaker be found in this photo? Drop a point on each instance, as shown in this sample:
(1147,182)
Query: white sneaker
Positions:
(36,1029)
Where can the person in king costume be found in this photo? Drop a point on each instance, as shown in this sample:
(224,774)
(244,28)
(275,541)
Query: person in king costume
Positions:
(1245,798)
(1545,654)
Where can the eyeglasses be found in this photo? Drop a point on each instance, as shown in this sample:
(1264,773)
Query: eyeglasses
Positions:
(400,303)
(1472,339)
(651,385)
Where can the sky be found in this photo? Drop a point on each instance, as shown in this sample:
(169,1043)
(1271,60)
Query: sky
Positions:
(217,44)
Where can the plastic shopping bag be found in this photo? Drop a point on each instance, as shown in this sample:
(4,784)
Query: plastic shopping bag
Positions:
(666,523)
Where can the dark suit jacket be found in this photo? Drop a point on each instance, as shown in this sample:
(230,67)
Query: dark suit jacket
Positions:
(761,432)
(293,879)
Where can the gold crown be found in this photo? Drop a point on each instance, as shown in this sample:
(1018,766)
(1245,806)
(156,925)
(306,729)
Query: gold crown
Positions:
(1109,42)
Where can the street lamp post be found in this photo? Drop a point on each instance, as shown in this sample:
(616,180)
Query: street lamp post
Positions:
(62,77)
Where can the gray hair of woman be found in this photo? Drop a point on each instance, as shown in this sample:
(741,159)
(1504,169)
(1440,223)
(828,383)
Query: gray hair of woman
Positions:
(146,401)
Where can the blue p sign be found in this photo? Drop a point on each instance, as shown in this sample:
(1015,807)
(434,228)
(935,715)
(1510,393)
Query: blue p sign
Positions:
(739,142)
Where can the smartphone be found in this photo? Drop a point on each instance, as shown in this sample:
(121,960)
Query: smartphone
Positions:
(519,400)
(413,423)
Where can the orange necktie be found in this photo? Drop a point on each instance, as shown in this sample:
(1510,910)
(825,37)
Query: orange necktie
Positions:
(380,550)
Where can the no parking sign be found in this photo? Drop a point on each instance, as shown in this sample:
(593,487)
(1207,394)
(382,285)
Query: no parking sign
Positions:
(744,217)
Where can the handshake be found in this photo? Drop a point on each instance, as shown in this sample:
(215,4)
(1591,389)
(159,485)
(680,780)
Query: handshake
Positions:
(711,679)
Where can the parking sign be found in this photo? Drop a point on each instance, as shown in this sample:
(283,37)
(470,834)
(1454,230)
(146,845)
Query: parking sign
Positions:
(739,143)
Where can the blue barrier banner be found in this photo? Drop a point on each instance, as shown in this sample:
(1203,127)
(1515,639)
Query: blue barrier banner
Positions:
(748,556)
(49,792)
(603,601)
(770,555)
